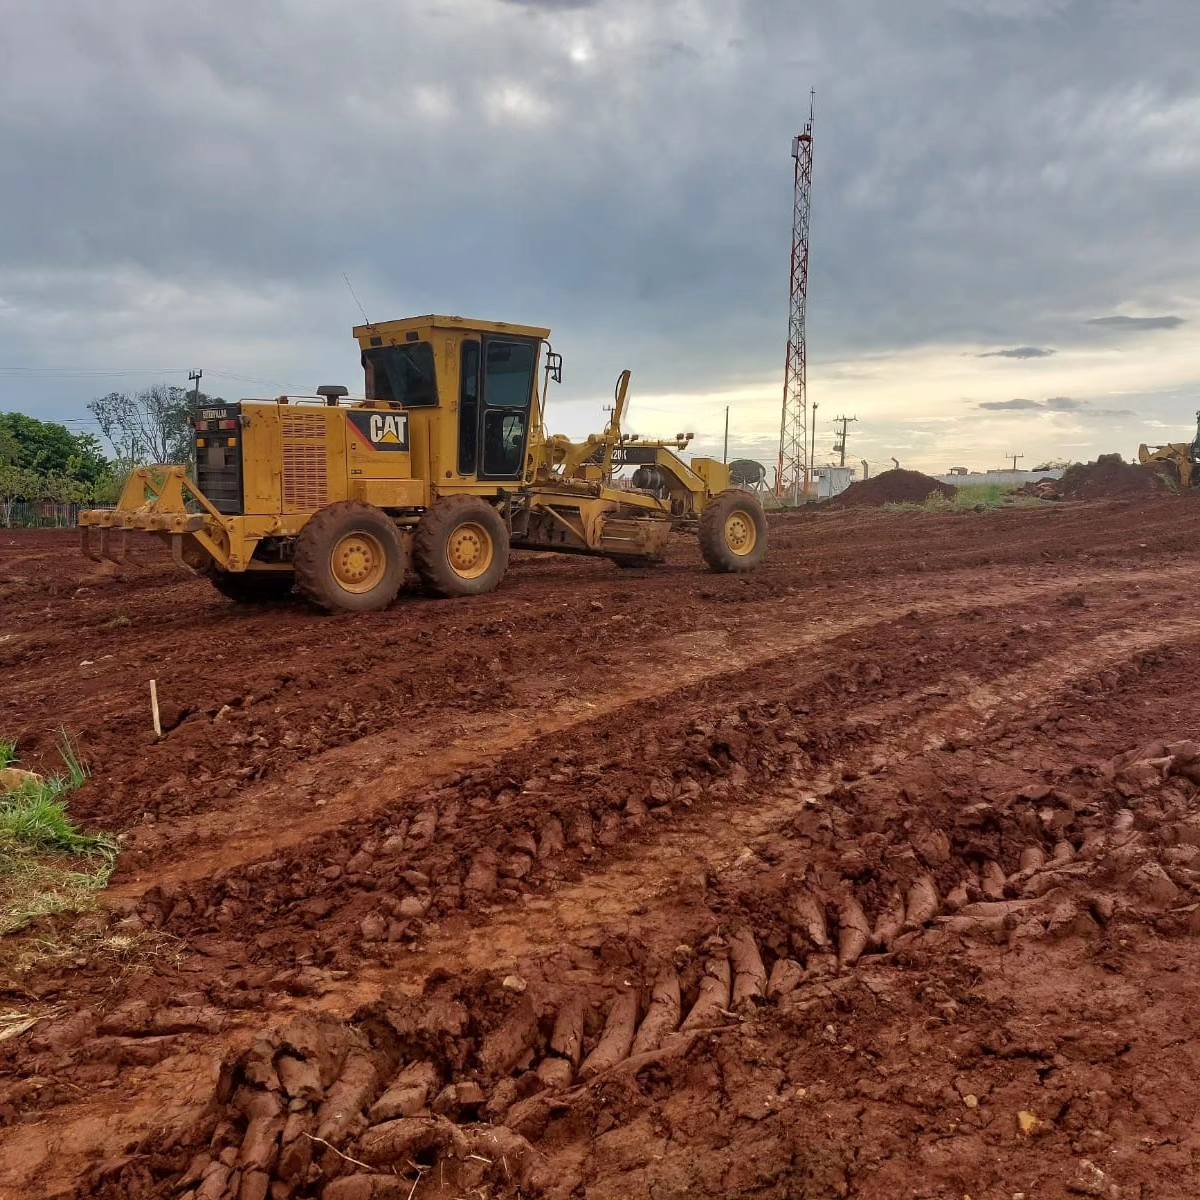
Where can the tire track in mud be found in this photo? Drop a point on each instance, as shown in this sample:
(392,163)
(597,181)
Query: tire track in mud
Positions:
(398,761)
(386,878)
(656,928)
(505,1082)
(717,840)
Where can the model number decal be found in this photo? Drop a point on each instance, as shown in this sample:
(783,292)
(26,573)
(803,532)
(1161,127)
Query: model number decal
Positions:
(382,430)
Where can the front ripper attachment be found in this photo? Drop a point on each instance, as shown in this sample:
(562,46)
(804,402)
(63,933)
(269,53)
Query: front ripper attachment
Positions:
(160,500)
(113,544)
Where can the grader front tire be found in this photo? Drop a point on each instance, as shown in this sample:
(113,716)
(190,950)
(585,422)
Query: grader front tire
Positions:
(350,557)
(461,547)
(733,532)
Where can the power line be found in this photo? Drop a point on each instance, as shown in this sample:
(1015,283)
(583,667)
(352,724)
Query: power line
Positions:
(82,373)
(90,371)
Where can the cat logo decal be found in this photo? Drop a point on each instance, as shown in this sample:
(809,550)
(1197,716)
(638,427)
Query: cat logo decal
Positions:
(381,430)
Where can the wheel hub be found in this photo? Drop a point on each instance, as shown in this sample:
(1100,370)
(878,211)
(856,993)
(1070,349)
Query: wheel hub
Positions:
(358,562)
(740,533)
(470,550)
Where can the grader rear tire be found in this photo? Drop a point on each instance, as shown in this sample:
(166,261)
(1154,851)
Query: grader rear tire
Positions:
(733,532)
(461,547)
(350,557)
(252,587)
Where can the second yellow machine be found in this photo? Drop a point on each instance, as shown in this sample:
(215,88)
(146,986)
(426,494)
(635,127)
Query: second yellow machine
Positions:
(441,467)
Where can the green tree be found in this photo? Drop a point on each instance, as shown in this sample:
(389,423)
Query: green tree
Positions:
(46,446)
(150,426)
(17,483)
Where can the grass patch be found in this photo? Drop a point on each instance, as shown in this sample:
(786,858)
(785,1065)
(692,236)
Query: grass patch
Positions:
(47,865)
(975,497)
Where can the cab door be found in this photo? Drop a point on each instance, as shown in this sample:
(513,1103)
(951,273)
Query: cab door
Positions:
(507,369)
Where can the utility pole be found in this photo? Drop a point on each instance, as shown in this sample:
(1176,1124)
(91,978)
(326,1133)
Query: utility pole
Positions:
(194,377)
(1014,457)
(839,446)
(725,452)
(809,478)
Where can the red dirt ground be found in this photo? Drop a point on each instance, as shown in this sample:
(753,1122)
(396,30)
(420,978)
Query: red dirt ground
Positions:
(872,875)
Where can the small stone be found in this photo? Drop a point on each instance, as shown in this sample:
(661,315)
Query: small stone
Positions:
(372,927)
(971,1100)
(1028,1122)
(413,906)
(514,983)
(1089,1180)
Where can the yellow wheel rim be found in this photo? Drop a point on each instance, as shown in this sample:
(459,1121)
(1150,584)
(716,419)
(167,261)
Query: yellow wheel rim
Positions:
(740,533)
(470,550)
(358,562)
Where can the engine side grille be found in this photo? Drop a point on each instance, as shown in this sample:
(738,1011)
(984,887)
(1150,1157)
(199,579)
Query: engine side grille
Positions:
(305,473)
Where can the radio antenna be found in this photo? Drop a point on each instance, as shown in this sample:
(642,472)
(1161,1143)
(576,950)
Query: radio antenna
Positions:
(356,299)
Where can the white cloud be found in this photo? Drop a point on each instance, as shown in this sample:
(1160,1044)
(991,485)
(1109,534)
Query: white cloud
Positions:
(516,102)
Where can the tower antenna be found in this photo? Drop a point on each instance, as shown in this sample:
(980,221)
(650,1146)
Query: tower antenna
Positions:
(357,301)
(795,457)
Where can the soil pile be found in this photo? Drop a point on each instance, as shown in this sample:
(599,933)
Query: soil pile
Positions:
(892,487)
(1109,477)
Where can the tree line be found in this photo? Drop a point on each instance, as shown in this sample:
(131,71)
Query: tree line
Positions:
(45,462)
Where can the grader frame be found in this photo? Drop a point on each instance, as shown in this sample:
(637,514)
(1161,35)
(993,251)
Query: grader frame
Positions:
(444,460)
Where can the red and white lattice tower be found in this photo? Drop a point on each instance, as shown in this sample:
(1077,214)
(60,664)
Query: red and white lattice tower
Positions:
(795,467)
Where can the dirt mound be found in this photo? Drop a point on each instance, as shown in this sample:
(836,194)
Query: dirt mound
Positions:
(892,487)
(1109,477)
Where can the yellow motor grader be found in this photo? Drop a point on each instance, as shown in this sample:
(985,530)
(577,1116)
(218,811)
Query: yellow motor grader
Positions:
(1177,462)
(441,466)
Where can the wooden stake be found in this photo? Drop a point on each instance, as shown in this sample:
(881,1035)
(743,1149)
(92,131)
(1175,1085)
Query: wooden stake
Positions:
(154,708)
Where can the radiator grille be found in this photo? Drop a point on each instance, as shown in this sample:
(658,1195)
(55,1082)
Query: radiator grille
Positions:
(305,474)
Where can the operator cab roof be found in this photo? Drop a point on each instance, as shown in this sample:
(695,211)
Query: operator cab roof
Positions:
(389,330)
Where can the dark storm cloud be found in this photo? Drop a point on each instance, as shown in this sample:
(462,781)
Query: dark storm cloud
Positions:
(1133,324)
(1019,352)
(1017,404)
(1053,404)
(618,170)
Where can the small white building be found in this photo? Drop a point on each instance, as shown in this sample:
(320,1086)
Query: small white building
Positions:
(831,480)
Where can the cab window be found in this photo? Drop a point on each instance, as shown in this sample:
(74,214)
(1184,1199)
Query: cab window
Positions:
(468,409)
(401,374)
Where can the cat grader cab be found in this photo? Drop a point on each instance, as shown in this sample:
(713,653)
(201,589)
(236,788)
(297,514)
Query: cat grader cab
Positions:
(439,469)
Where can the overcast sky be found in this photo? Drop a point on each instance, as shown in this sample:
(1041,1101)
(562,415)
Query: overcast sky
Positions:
(1005,244)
